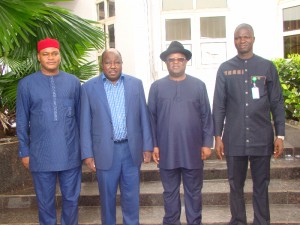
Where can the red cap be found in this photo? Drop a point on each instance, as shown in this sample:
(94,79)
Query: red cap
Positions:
(47,43)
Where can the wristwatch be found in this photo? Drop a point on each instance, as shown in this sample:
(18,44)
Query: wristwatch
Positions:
(281,137)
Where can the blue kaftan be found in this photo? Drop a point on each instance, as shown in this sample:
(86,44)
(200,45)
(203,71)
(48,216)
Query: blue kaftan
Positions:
(48,121)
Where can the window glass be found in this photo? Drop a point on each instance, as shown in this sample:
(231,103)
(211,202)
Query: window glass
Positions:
(178,29)
(212,27)
(111,36)
(100,11)
(203,4)
(291,45)
(291,18)
(111,8)
(177,4)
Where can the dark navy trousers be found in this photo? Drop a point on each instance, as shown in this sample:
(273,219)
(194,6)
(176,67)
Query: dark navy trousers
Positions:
(237,167)
(192,184)
(45,188)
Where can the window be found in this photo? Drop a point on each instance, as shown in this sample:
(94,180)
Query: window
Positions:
(200,25)
(168,5)
(291,45)
(291,29)
(111,35)
(212,27)
(105,9)
(100,11)
(111,8)
(291,18)
(106,16)
(212,40)
(204,4)
(178,29)
(177,4)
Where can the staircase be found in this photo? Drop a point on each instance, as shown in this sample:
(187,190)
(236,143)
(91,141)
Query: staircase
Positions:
(19,207)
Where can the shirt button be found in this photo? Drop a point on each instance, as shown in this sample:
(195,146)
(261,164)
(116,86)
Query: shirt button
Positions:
(246,81)
(246,61)
(247,141)
(246,92)
(247,104)
(247,116)
(246,70)
(247,128)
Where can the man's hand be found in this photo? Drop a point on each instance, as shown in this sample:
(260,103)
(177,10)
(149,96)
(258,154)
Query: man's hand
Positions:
(205,153)
(147,156)
(25,162)
(155,155)
(90,164)
(278,147)
(219,146)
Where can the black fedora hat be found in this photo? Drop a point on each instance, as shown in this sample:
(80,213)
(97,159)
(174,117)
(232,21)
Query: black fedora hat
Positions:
(175,47)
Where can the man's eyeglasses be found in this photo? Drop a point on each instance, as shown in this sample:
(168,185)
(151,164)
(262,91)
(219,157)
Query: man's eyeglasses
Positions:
(172,60)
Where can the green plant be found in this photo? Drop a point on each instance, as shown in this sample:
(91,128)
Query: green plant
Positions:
(23,24)
(289,74)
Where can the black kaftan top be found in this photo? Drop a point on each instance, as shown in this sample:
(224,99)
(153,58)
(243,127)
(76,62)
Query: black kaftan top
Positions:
(248,129)
(181,121)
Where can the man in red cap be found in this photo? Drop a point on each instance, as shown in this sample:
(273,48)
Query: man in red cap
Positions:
(48,103)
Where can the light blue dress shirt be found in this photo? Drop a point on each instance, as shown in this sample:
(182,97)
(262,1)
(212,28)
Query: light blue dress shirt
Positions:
(116,101)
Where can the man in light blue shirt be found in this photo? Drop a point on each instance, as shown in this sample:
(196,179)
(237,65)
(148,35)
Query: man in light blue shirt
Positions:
(116,100)
(115,136)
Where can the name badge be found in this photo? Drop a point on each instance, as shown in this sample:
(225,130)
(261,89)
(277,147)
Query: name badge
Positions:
(255,93)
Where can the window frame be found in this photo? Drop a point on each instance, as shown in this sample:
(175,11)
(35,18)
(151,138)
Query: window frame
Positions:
(197,61)
(107,21)
(288,33)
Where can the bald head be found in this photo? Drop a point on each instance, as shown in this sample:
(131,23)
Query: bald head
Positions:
(112,64)
(244,26)
(112,51)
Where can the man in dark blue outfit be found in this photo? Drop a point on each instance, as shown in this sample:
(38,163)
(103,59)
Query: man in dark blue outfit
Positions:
(247,92)
(48,104)
(183,135)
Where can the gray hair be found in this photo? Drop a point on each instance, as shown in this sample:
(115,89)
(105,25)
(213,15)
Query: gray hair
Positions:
(244,26)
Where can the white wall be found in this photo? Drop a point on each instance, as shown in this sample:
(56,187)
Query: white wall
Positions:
(85,9)
(263,17)
(132,38)
(138,33)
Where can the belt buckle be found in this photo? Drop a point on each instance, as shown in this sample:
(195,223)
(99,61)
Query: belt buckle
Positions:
(120,141)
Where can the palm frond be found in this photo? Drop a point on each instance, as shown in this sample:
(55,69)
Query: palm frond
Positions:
(16,18)
(25,22)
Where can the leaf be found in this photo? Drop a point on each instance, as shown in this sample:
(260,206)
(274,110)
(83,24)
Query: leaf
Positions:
(24,23)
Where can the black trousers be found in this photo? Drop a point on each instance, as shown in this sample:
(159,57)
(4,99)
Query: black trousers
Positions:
(192,184)
(260,171)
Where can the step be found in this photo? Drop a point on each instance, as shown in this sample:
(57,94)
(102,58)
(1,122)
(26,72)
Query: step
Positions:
(212,215)
(215,192)
(214,169)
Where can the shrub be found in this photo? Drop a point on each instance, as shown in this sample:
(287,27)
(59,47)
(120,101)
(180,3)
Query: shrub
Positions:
(289,74)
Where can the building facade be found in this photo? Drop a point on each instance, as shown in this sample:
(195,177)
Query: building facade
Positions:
(142,29)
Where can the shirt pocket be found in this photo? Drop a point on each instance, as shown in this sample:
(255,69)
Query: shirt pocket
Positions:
(69,108)
(260,83)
